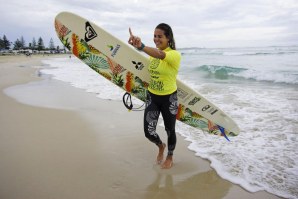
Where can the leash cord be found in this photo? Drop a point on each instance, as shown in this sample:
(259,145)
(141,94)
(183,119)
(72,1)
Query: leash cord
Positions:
(128,103)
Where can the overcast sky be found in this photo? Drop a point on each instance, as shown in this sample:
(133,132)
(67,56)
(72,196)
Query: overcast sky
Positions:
(196,23)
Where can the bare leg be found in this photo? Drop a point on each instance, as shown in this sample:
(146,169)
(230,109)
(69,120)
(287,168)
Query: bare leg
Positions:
(159,158)
(168,163)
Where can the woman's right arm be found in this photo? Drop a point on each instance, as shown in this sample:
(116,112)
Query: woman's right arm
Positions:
(137,43)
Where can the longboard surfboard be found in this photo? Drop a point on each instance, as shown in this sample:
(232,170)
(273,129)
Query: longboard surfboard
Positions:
(127,68)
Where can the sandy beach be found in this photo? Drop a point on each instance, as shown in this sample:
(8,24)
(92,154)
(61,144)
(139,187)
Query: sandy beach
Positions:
(66,143)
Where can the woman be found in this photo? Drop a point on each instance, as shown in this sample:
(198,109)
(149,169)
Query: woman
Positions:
(162,89)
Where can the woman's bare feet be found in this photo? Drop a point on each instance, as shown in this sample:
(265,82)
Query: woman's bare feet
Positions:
(168,163)
(159,158)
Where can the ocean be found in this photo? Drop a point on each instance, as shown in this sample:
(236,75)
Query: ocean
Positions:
(257,87)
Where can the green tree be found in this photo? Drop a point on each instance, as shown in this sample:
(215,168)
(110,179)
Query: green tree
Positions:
(23,43)
(17,45)
(6,43)
(33,44)
(51,45)
(1,44)
(40,44)
(20,44)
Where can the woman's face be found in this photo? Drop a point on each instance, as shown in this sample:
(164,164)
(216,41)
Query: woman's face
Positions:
(160,40)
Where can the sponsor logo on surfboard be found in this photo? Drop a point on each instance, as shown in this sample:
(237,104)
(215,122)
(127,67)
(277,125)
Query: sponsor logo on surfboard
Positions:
(194,101)
(90,32)
(181,93)
(211,109)
(138,65)
(115,50)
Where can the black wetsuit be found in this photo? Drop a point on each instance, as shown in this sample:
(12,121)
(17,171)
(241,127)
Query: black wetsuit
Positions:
(167,105)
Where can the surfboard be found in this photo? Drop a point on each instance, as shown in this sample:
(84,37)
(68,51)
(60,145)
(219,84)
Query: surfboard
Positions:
(126,67)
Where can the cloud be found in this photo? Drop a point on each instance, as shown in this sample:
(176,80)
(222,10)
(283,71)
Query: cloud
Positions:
(198,23)
(234,23)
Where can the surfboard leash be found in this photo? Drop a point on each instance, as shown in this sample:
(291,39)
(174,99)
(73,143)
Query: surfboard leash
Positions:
(128,103)
(222,130)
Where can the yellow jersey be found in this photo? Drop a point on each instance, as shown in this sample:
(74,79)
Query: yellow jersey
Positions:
(163,73)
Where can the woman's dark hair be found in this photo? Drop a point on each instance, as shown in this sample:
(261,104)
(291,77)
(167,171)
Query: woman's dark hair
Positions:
(168,33)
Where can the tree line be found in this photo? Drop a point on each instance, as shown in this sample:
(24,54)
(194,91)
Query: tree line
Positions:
(20,44)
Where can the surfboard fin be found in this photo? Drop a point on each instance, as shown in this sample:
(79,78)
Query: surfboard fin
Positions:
(222,130)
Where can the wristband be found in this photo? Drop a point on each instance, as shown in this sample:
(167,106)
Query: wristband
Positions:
(142,47)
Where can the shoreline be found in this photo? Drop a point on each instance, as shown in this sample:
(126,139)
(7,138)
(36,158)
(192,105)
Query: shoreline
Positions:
(65,152)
